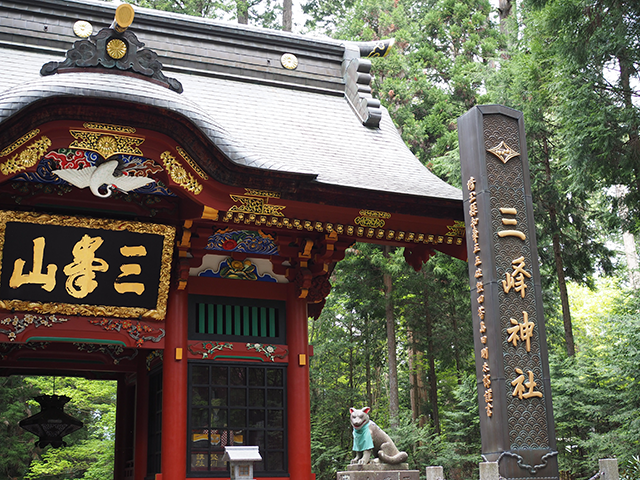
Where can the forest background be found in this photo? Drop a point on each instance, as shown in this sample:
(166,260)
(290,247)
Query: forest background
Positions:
(400,341)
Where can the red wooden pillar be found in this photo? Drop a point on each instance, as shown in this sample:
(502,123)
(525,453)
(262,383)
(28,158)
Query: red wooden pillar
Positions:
(142,419)
(174,389)
(298,398)
(121,426)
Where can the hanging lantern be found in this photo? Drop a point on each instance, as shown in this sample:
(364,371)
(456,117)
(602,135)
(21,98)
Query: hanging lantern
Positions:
(51,423)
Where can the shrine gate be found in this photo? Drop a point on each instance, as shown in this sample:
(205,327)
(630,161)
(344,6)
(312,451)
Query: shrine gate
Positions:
(174,194)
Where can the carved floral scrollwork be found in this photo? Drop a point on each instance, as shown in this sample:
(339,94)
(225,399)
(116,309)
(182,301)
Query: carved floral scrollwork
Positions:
(114,351)
(152,356)
(7,348)
(179,174)
(207,349)
(269,351)
(19,324)
(139,332)
(320,288)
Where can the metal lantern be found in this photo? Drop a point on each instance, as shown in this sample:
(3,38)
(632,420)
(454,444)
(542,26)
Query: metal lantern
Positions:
(51,423)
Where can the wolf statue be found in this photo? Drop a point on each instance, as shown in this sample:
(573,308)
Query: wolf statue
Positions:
(368,437)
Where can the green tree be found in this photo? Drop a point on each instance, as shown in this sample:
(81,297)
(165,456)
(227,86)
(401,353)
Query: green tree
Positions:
(596,392)
(18,445)
(595,51)
(570,216)
(90,450)
(265,13)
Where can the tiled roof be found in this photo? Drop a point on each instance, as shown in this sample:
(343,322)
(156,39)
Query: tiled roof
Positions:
(259,120)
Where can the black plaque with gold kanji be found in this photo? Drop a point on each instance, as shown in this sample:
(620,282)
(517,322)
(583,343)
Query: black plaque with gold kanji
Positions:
(84,266)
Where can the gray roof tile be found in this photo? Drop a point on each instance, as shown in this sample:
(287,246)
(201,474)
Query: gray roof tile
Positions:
(253,124)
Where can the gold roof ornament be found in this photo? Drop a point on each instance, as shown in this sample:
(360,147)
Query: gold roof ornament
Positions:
(123,18)
(289,61)
(82,29)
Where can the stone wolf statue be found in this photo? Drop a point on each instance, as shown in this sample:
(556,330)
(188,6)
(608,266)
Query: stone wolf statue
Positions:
(369,437)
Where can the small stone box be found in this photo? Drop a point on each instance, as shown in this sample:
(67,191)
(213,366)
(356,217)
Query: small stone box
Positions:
(241,461)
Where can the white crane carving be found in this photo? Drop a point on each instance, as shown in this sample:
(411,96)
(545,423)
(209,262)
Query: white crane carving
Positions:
(95,177)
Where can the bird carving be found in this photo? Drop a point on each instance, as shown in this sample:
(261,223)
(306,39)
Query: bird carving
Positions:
(95,177)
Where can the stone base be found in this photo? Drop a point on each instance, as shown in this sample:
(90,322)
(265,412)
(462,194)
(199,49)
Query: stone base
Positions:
(367,472)
(376,466)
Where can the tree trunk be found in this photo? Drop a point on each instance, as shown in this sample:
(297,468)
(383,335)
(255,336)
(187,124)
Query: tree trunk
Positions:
(242,11)
(367,356)
(394,403)
(557,255)
(287,15)
(431,358)
(456,350)
(504,10)
(415,378)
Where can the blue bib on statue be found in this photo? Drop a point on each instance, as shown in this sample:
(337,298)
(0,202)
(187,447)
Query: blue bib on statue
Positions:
(362,438)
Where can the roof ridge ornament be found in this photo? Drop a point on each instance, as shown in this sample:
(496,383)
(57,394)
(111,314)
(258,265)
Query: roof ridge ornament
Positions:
(357,77)
(114,47)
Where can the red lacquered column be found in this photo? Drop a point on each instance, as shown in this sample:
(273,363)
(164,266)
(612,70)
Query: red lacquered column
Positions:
(298,399)
(121,430)
(174,389)
(142,419)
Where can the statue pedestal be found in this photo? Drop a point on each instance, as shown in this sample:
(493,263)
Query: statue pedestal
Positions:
(379,471)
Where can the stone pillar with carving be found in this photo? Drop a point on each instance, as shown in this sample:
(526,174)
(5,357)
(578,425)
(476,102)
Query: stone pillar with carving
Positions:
(514,393)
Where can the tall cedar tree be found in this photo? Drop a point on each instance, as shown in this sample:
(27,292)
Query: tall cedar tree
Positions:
(568,216)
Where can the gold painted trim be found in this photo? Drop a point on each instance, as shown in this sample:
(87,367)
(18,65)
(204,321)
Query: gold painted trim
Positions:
(106,145)
(232,216)
(26,158)
(209,213)
(18,143)
(179,175)
(374,213)
(261,193)
(107,127)
(504,152)
(192,163)
(255,205)
(159,313)
(456,230)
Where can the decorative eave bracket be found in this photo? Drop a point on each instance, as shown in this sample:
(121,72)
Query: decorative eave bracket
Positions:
(112,48)
(356,71)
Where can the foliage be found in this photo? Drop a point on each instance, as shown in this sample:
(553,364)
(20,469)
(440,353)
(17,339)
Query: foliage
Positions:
(18,445)
(265,13)
(90,451)
(349,368)
(631,469)
(596,393)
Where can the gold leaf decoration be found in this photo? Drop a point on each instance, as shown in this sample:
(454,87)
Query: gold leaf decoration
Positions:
(26,158)
(504,152)
(261,193)
(166,231)
(18,143)
(116,49)
(107,127)
(192,163)
(374,213)
(179,175)
(106,144)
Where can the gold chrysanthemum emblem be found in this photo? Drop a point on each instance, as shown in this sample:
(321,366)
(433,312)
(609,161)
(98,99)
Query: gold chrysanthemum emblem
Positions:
(116,48)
